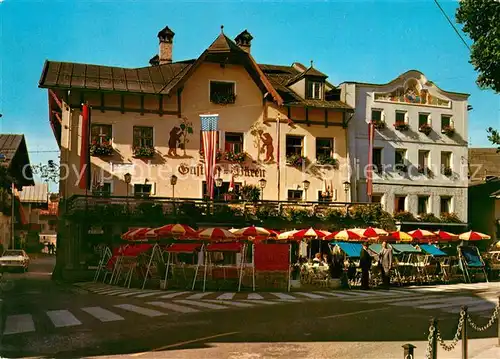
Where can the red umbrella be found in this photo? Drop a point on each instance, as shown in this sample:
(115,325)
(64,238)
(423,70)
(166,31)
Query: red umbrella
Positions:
(446,236)
(216,234)
(310,233)
(252,231)
(473,236)
(173,230)
(344,235)
(139,234)
(370,232)
(422,235)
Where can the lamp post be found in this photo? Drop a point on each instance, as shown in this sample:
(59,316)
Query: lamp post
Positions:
(218,184)
(347,186)
(128,178)
(262,184)
(306,185)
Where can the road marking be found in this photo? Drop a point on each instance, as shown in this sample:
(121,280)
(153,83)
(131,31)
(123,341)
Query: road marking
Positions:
(201,304)
(144,311)
(353,313)
(185,343)
(173,295)
(283,296)
(130,293)
(404,302)
(199,295)
(102,314)
(226,296)
(113,292)
(230,302)
(310,295)
(255,296)
(388,300)
(19,323)
(174,307)
(144,295)
(450,303)
(259,301)
(337,294)
(62,318)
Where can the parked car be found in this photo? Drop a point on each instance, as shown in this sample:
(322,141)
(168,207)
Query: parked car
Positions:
(14,259)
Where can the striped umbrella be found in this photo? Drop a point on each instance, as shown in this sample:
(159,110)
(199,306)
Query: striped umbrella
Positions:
(255,232)
(127,233)
(173,230)
(370,232)
(310,233)
(422,234)
(138,234)
(401,236)
(446,236)
(216,234)
(473,236)
(287,234)
(345,235)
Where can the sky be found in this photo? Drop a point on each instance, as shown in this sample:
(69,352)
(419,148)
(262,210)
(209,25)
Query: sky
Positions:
(357,40)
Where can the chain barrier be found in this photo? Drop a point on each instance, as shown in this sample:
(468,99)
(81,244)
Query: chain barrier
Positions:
(455,340)
(428,351)
(492,320)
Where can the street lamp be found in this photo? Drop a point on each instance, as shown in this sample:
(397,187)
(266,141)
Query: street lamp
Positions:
(128,178)
(262,183)
(218,184)
(347,186)
(306,185)
(173,182)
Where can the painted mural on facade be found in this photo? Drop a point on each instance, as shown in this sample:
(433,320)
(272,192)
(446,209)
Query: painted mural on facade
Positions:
(412,92)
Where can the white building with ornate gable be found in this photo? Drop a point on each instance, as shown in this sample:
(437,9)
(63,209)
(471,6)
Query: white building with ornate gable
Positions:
(420,145)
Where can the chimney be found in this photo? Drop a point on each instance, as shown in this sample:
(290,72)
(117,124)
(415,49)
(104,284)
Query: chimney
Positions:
(244,40)
(166,37)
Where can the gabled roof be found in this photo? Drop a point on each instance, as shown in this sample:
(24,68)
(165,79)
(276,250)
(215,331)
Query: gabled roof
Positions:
(223,44)
(14,156)
(311,71)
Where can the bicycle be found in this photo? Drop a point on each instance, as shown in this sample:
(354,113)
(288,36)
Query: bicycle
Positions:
(5,284)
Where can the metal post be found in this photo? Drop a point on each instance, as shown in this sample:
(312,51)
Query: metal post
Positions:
(12,217)
(464,334)
(498,321)
(434,352)
(408,351)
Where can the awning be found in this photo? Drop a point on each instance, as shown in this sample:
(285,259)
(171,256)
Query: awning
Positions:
(404,248)
(184,247)
(377,247)
(432,250)
(352,250)
(225,247)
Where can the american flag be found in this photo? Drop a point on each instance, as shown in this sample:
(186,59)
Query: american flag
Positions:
(369,174)
(209,135)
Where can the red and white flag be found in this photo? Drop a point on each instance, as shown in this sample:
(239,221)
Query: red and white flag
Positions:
(369,172)
(209,135)
(85,149)
(231,184)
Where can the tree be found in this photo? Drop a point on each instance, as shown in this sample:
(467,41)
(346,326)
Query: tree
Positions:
(49,172)
(481,21)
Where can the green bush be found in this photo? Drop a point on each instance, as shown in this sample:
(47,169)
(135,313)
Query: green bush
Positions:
(429,218)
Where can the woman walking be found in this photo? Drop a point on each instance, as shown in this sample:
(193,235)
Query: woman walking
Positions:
(385,262)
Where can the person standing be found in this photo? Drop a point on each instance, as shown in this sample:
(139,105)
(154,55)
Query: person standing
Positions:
(365,262)
(385,261)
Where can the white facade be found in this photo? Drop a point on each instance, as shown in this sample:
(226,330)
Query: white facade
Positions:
(414,101)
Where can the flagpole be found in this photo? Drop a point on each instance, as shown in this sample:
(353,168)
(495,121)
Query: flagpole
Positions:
(12,217)
(278,119)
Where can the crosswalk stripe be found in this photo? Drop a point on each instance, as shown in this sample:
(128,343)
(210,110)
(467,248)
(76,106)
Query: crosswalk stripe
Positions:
(174,307)
(62,318)
(229,302)
(114,292)
(336,294)
(144,311)
(226,296)
(255,296)
(402,302)
(283,295)
(392,296)
(259,301)
(201,304)
(450,303)
(173,295)
(381,300)
(102,314)
(19,323)
(310,295)
(199,295)
(107,290)
(144,295)
(130,293)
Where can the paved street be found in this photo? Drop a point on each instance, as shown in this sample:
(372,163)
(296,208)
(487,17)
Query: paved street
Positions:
(46,318)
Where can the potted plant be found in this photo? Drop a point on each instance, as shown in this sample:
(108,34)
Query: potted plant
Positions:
(401,126)
(447,171)
(425,170)
(379,124)
(232,156)
(103,148)
(250,193)
(143,151)
(296,161)
(448,131)
(223,99)
(401,167)
(425,128)
(327,160)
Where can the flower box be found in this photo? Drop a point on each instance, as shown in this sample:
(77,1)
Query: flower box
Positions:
(426,171)
(401,126)
(327,160)
(425,128)
(447,171)
(231,156)
(143,152)
(448,131)
(401,168)
(296,161)
(379,125)
(223,99)
(101,149)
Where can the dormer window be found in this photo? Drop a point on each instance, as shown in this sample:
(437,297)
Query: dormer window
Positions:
(314,90)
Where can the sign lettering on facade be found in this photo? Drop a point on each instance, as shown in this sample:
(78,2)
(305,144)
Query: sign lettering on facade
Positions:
(238,171)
